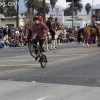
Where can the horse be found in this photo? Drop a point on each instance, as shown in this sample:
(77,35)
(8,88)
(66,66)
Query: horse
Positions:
(87,32)
(50,40)
(54,41)
(60,31)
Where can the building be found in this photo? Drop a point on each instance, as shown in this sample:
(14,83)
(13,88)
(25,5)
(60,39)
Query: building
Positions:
(79,21)
(11,21)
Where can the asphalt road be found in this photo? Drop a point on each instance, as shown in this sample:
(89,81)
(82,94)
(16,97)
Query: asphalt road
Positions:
(72,73)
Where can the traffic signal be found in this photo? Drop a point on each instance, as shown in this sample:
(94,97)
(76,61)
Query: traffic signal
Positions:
(71,0)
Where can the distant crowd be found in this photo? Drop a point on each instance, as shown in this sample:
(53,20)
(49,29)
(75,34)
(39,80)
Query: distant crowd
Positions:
(17,37)
(12,37)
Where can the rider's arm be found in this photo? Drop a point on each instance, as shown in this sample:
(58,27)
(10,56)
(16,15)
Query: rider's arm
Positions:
(33,33)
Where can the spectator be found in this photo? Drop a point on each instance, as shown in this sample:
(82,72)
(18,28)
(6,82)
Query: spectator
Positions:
(40,18)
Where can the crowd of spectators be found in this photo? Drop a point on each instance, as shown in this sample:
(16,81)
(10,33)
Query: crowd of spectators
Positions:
(17,37)
(12,37)
(71,36)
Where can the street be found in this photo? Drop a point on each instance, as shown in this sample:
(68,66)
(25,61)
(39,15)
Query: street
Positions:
(72,73)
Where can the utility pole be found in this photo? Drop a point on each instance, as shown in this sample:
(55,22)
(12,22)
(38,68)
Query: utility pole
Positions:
(91,10)
(72,14)
(73,1)
(44,10)
(17,18)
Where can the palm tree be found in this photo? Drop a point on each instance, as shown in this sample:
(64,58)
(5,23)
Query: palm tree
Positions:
(67,12)
(78,5)
(9,8)
(31,5)
(40,9)
(53,2)
(88,8)
(1,10)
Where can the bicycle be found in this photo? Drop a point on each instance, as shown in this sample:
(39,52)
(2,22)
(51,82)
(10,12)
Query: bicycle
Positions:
(36,52)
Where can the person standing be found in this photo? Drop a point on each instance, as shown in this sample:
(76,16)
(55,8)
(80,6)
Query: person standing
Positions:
(40,18)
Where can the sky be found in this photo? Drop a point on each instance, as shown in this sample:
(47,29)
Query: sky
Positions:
(61,3)
(64,4)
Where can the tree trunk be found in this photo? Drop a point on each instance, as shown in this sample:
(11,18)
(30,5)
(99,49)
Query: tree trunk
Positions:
(33,10)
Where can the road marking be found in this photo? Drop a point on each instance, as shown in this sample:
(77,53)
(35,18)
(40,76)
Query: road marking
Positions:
(43,98)
(30,66)
(16,70)
(19,65)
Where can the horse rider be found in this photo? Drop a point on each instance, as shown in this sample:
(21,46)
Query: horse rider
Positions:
(56,22)
(49,25)
(39,32)
(94,23)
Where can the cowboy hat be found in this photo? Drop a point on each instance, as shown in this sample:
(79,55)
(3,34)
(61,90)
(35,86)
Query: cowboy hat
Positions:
(50,18)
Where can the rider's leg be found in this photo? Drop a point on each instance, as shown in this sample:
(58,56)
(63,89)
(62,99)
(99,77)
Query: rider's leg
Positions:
(41,41)
(52,33)
(97,29)
(35,42)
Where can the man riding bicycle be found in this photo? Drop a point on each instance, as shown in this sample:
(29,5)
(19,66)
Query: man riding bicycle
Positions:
(39,31)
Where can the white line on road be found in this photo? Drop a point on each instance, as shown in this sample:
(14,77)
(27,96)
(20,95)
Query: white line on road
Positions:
(43,98)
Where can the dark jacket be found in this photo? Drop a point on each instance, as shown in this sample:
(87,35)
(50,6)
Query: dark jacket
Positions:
(49,25)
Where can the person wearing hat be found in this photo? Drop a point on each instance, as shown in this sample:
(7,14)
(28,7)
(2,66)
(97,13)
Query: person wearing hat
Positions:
(57,23)
(49,25)
(39,31)
(94,23)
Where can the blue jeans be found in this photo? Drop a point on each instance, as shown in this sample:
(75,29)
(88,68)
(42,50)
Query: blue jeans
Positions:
(1,45)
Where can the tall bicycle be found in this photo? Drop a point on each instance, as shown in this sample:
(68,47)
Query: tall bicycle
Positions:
(36,52)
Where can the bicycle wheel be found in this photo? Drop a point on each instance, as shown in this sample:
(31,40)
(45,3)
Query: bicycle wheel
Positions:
(43,61)
(33,49)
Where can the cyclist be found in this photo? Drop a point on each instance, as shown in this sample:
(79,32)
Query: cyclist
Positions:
(39,32)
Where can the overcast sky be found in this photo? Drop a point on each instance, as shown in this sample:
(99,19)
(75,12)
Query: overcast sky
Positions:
(64,4)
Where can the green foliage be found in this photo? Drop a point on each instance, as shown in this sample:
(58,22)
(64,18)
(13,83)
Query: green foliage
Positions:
(37,5)
(88,8)
(8,10)
(77,4)
(53,2)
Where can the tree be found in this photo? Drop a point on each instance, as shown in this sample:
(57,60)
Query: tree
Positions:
(40,9)
(10,9)
(1,10)
(88,8)
(67,12)
(77,4)
(53,2)
(31,5)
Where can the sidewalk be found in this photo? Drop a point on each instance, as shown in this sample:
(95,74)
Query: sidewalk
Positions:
(14,90)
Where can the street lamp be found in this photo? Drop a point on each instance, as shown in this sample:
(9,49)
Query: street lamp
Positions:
(17,18)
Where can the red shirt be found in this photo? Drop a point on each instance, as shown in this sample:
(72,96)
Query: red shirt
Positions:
(41,19)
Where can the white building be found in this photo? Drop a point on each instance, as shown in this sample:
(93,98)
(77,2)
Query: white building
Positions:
(79,21)
(11,21)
